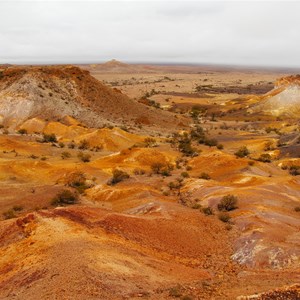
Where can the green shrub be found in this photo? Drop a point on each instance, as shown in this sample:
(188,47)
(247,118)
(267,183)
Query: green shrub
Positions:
(242,152)
(71,145)
(65,155)
(9,214)
(172,185)
(185,175)
(165,172)
(49,138)
(118,176)
(204,175)
(185,146)
(211,142)
(83,145)
(197,133)
(207,211)
(18,208)
(162,168)
(265,157)
(84,157)
(294,170)
(224,217)
(65,197)
(77,180)
(196,206)
(228,202)
(22,131)
(156,167)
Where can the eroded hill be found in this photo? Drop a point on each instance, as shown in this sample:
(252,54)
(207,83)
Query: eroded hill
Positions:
(58,91)
(283,101)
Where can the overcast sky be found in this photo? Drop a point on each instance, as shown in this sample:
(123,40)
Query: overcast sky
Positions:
(240,33)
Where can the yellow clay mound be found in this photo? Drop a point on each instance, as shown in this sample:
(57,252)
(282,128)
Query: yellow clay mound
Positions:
(134,158)
(121,198)
(68,120)
(217,163)
(34,125)
(110,139)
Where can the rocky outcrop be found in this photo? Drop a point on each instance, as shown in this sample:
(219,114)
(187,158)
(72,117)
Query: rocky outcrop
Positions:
(284,100)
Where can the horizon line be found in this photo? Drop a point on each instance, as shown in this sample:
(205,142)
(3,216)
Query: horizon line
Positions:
(154,63)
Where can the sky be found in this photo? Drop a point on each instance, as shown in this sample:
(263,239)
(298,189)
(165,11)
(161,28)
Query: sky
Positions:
(251,33)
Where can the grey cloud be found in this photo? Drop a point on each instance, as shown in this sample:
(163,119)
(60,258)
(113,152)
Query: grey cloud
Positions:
(255,33)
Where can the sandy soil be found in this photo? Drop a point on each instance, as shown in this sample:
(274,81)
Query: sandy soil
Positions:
(147,236)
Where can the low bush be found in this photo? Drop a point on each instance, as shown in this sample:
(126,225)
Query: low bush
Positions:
(204,175)
(65,197)
(294,170)
(118,176)
(162,168)
(242,152)
(77,180)
(49,138)
(207,211)
(71,145)
(83,145)
(224,217)
(211,142)
(9,214)
(18,208)
(185,146)
(265,157)
(22,131)
(185,175)
(228,202)
(156,167)
(196,206)
(65,155)
(84,157)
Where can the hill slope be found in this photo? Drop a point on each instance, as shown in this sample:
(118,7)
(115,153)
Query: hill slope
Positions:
(58,91)
(284,100)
